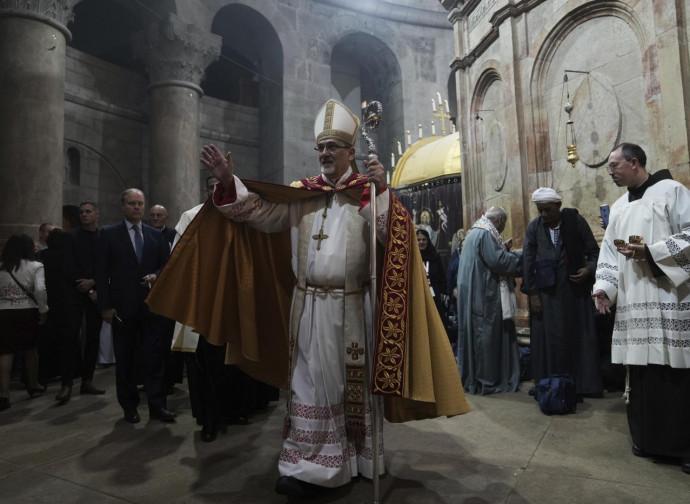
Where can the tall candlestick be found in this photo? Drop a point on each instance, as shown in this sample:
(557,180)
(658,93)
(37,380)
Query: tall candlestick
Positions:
(409,138)
(439,99)
(433,104)
(392,160)
(419,135)
(433,128)
(399,149)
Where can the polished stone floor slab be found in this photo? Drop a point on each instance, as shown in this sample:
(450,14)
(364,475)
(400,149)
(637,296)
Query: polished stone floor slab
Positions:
(504,451)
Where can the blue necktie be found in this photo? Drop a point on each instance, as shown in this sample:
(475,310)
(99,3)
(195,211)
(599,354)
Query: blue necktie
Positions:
(138,244)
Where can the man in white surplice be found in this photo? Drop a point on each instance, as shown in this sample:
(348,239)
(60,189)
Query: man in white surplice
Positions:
(330,306)
(649,281)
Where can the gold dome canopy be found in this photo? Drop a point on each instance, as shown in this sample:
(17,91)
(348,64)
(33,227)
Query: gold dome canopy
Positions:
(427,159)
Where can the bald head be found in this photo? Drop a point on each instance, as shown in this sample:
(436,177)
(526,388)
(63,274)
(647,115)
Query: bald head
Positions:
(158,216)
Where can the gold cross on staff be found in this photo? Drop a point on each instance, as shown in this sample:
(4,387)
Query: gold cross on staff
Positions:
(321,236)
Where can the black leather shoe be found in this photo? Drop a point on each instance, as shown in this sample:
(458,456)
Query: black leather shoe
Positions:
(89,388)
(163,414)
(209,432)
(638,452)
(64,395)
(132,416)
(292,487)
(685,465)
(34,391)
(532,392)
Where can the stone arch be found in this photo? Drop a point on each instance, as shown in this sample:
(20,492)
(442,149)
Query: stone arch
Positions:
(490,166)
(103,28)
(364,68)
(252,61)
(452,94)
(565,22)
(73,166)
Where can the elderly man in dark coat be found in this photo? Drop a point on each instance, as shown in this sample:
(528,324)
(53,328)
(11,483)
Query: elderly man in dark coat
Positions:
(488,356)
(560,259)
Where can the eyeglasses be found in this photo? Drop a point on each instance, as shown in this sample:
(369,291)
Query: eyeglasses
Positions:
(612,166)
(330,147)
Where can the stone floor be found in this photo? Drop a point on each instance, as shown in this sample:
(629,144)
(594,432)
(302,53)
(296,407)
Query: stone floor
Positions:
(504,451)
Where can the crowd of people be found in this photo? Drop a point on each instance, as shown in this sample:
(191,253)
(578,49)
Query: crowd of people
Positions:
(58,295)
(572,286)
(314,239)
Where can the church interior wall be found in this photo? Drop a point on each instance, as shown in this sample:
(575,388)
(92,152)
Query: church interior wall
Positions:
(233,128)
(106,121)
(120,48)
(635,56)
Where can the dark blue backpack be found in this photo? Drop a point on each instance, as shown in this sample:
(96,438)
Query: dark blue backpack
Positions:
(556,395)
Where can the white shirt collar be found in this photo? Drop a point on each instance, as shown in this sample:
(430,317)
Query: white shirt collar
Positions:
(345,176)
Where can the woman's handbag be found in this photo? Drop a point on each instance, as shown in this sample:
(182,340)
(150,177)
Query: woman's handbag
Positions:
(26,291)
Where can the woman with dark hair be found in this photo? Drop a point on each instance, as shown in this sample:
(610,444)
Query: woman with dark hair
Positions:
(434,272)
(23,305)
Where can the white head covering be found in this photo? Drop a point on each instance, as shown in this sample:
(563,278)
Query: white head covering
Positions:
(335,120)
(545,195)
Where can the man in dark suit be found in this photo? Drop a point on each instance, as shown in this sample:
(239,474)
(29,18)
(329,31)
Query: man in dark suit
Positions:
(130,256)
(78,260)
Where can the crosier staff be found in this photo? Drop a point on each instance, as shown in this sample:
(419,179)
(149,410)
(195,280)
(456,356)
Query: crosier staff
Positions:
(371,116)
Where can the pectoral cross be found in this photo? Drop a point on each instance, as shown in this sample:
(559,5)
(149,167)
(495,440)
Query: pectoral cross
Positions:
(321,236)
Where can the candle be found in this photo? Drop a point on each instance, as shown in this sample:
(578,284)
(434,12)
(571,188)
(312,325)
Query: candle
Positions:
(433,104)
(439,99)
(452,127)
(433,128)
(399,149)
(392,160)
(419,135)
(409,138)
(388,178)
(447,107)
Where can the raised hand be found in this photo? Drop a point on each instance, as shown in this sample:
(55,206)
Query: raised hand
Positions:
(221,166)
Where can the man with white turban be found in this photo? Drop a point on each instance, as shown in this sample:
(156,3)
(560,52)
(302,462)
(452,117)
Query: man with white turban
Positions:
(560,258)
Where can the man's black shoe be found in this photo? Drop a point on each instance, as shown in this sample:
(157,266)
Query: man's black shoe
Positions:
(292,487)
(132,416)
(638,452)
(163,414)
(532,392)
(209,432)
(685,465)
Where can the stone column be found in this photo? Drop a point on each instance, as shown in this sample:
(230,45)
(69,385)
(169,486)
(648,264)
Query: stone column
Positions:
(33,39)
(177,55)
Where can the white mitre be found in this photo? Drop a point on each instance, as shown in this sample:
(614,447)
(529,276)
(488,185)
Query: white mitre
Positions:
(545,195)
(335,120)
